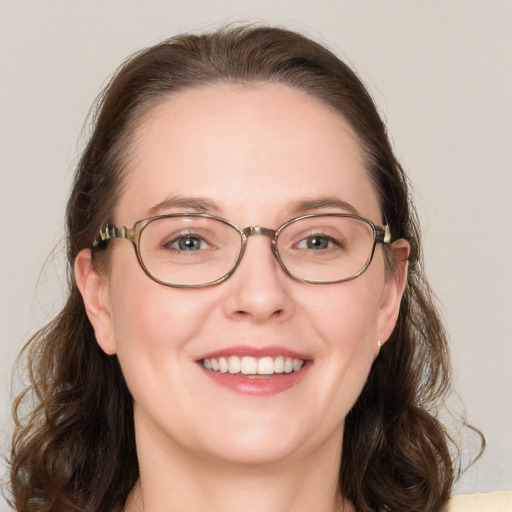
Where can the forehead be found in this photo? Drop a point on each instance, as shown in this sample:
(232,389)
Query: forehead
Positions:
(249,148)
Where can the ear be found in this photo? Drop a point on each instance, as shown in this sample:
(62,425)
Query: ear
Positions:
(95,294)
(393,291)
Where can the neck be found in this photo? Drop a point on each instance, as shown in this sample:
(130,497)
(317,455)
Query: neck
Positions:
(175,480)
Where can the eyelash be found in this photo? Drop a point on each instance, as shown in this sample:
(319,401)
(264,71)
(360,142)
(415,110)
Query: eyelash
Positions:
(337,241)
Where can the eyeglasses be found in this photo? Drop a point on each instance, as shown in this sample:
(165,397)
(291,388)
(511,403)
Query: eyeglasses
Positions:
(195,250)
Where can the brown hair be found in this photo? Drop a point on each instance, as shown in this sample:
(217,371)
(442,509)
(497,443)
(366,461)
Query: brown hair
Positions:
(75,451)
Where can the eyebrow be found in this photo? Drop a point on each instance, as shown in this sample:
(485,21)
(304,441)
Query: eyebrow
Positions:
(320,203)
(207,205)
(189,204)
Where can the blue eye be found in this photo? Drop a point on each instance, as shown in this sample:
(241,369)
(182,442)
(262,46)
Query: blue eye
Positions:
(318,242)
(188,243)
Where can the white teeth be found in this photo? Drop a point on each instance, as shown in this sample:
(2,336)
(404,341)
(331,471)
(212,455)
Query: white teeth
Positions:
(253,366)
(223,365)
(249,365)
(297,364)
(266,366)
(234,364)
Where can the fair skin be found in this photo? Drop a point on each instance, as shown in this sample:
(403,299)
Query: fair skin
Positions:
(252,151)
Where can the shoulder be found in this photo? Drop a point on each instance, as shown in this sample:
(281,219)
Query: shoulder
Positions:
(497,501)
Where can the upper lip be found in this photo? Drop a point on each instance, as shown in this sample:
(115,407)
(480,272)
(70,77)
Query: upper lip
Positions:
(257,352)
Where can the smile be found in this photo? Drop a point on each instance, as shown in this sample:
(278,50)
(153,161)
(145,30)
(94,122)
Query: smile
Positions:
(247,365)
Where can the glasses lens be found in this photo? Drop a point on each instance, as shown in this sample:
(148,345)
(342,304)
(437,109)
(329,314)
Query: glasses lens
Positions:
(326,248)
(189,250)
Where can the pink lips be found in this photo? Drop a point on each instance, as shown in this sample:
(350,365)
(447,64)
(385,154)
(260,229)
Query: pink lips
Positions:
(256,385)
(245,350)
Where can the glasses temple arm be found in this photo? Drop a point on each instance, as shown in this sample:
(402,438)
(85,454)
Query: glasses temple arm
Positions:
(108,232)
(383,234)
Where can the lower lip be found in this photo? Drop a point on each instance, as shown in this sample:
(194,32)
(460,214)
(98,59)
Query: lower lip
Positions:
(263,385)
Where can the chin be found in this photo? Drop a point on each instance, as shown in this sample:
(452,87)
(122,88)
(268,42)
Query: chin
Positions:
(257,454)
(252,441)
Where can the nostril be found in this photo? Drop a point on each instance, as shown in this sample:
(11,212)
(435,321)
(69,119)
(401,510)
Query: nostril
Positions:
(276,314)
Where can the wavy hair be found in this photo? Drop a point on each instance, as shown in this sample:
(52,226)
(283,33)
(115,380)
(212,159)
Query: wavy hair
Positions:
(73,448)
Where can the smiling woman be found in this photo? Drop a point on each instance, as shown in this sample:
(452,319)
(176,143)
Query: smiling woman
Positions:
(229,357)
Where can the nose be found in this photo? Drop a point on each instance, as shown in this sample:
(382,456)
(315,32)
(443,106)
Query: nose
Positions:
(259,290)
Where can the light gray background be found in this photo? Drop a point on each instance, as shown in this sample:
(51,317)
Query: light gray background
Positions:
(441,72)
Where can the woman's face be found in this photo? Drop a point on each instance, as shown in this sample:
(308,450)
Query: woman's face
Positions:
(251,154)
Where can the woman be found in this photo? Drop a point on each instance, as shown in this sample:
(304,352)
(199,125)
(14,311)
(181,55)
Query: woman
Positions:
(271,342)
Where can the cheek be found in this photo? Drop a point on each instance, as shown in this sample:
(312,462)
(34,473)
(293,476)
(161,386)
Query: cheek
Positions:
(345,319)
(154,326)
(156,330)
(346,313)
(151,317)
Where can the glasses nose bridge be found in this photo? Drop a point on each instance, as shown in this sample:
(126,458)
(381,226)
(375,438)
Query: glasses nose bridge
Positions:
(258,230)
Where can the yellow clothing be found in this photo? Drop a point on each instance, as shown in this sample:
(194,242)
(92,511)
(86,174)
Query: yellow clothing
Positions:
(497,501)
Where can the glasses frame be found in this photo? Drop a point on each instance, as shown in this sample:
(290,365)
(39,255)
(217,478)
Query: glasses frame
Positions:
(381,235)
